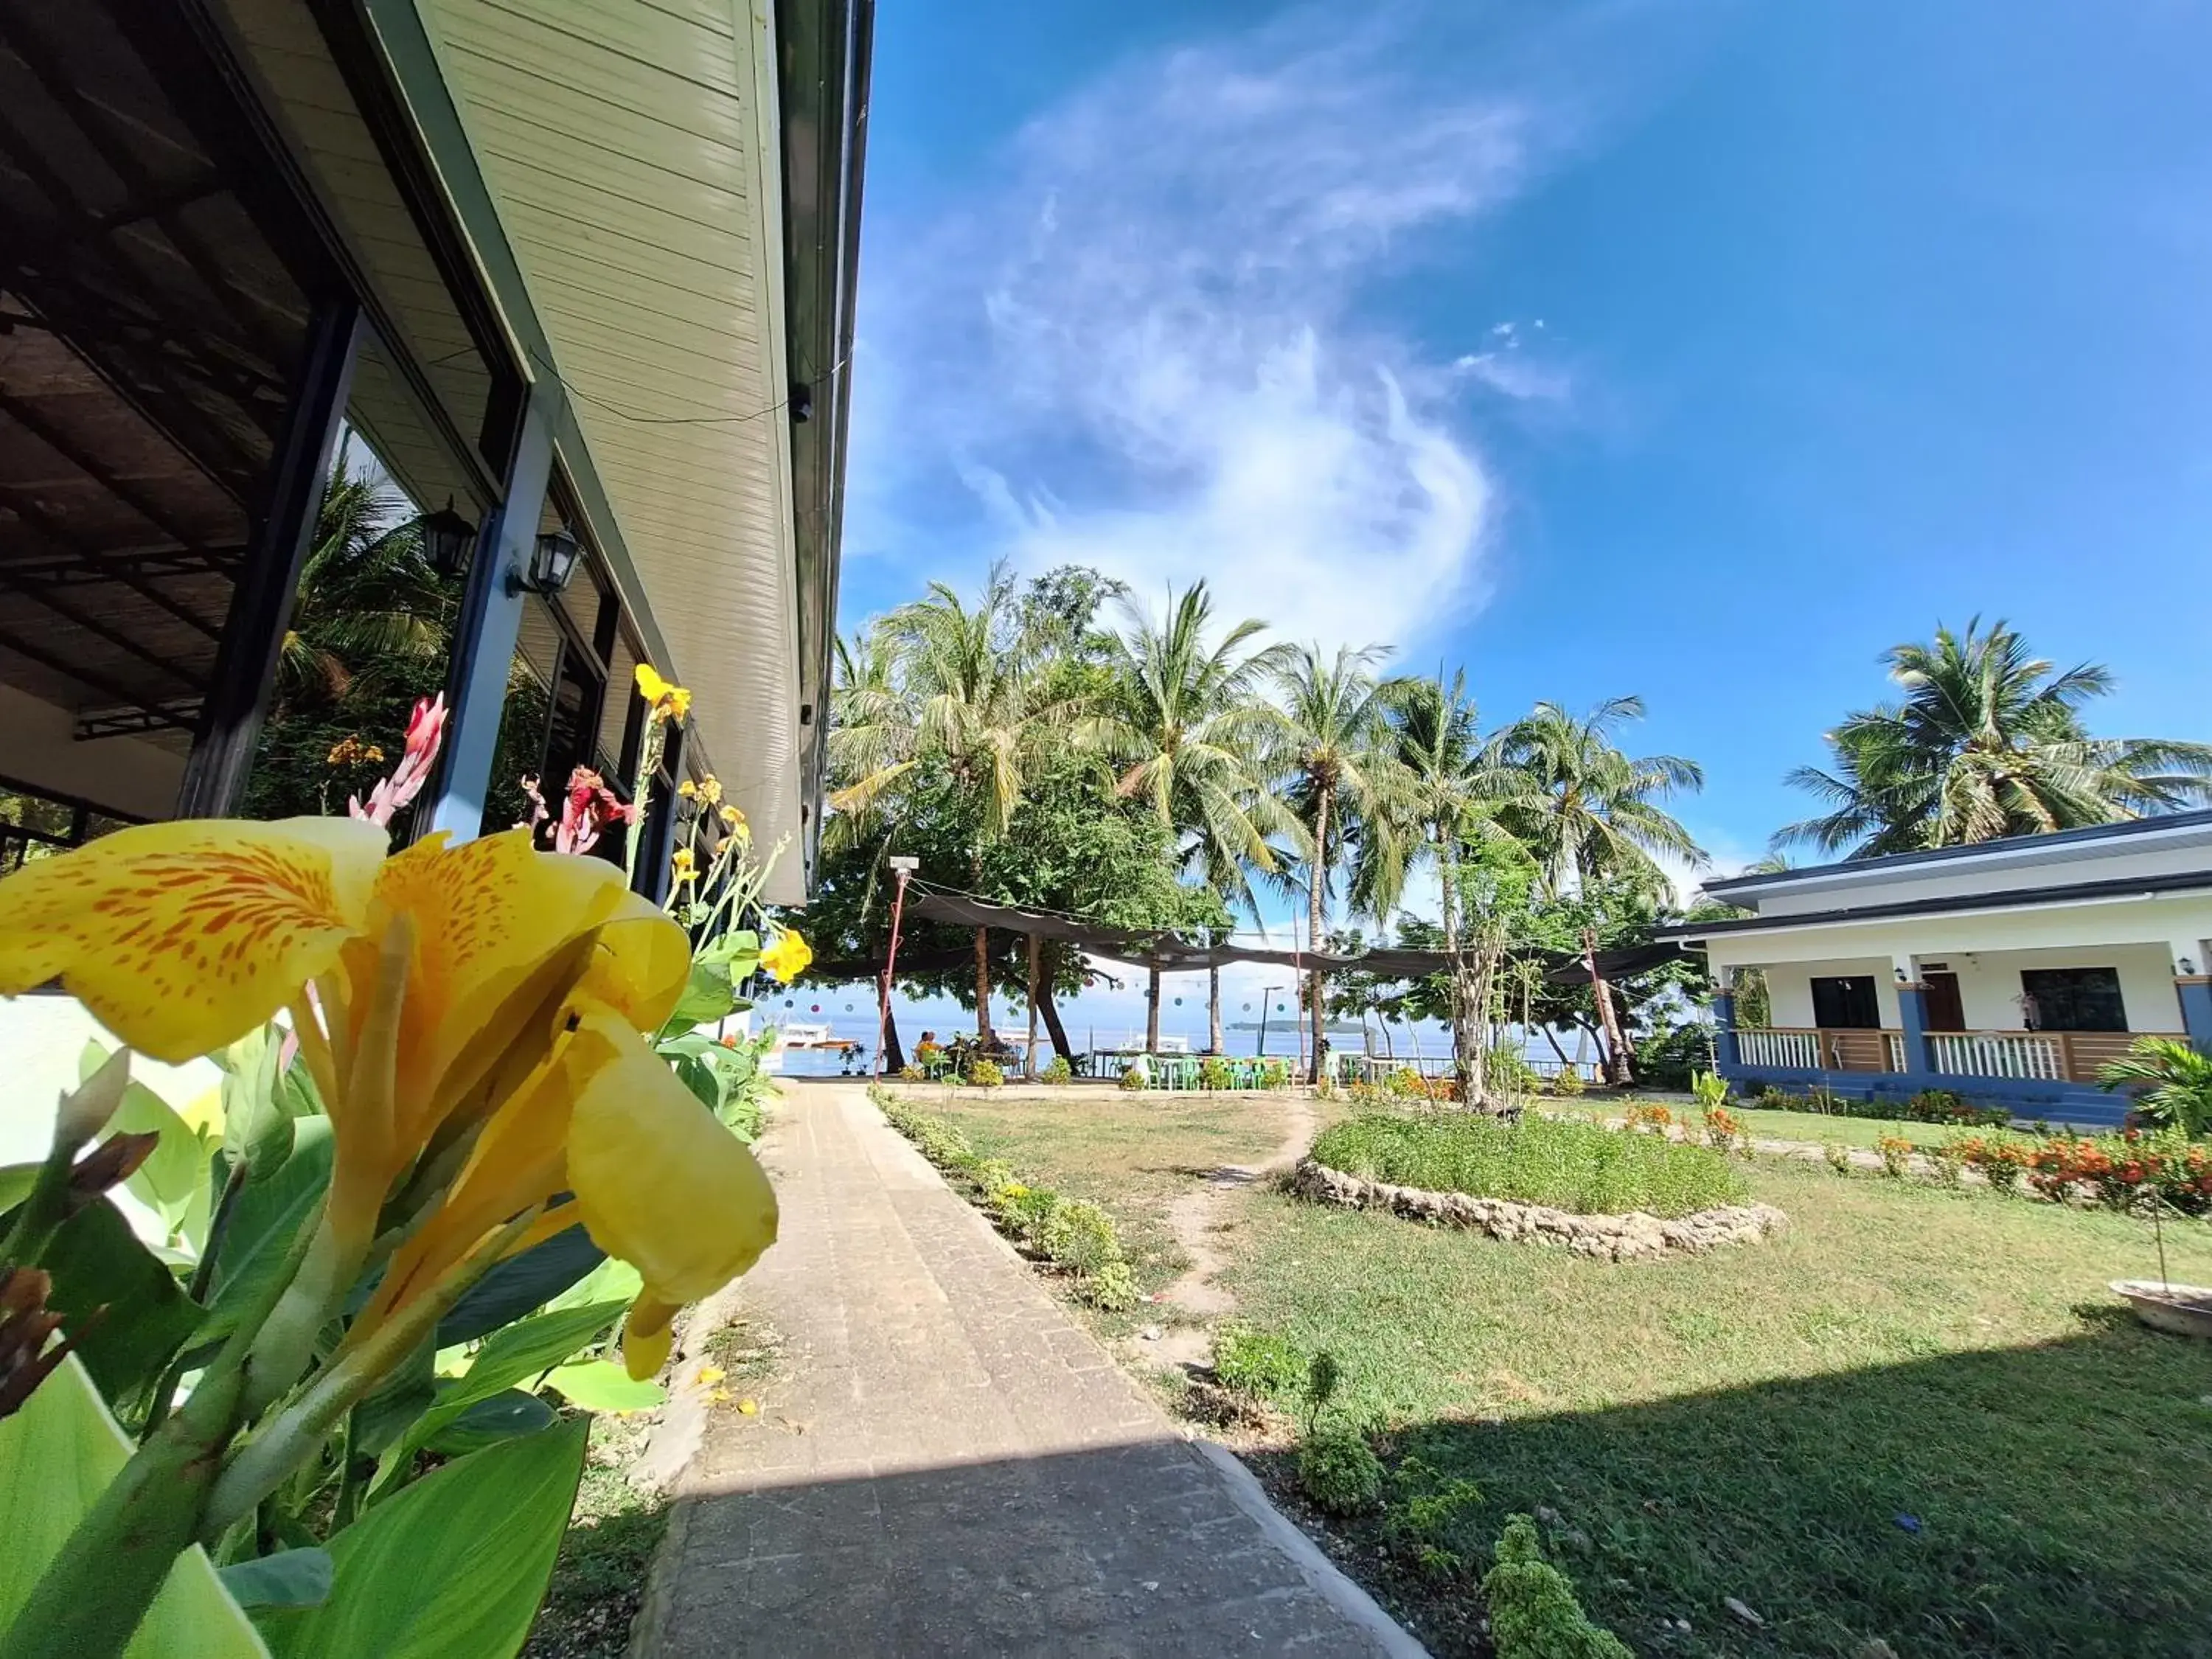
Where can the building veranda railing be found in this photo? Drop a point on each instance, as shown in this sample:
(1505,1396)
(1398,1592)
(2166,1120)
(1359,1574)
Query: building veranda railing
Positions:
(2046,1056)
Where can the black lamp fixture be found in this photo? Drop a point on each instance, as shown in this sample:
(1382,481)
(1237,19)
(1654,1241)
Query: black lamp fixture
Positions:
(553,560)
(448,540)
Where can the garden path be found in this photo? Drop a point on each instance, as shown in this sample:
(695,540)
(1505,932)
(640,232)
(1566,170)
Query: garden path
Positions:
(949,1464)
(1196,1220)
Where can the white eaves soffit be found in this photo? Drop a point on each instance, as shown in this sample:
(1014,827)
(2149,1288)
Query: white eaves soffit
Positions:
(632,149)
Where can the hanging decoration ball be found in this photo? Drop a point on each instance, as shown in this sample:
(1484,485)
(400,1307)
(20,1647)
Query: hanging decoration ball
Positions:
(815,1009)
(1178,1002)
(848,1007)
(787,1002)
(1247,1007)
(1279,1007)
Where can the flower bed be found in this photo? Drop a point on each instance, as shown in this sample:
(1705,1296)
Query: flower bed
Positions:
(1633,1237)
(1558,1164)
(2120,1171)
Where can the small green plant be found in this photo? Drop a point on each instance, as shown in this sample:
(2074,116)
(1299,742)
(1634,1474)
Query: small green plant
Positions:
(1079,1235)
(1427,1522)
(1839,1156)
(1568,1084)
(1057,1070)
(2178,1094)
(1340,1472)
(986,1073)
(1025,1212)
(1323,1374)
(1533,1611)
(1113,1288)
(1711,1088)
(1950,1162)
(1132,1080)
(1215,1072)
(1509,1073)
(1258,1364)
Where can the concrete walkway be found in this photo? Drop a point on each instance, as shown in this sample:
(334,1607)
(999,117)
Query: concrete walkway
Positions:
(952,1464)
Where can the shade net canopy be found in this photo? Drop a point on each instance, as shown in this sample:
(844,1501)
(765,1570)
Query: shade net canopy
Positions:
(1171,953)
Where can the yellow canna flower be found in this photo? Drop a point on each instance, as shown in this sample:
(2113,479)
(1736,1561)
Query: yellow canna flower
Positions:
(710,789)
(787,957)
(683,865)
(687,789)
(473,1026)
(732,818)
(670,701)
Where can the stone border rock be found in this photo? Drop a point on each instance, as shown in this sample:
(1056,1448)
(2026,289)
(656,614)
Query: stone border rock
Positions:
(1632,1237)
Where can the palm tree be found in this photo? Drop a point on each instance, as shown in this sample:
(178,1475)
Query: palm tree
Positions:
(1987,742)
(1328,742)
(1585,810)
(945,684)
(1590,813)
(1183,725)
(369,605)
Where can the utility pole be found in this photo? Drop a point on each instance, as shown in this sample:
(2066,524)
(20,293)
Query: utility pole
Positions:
(905,864)
(1265,993)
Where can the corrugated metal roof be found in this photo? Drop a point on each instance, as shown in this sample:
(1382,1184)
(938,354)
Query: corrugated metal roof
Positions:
(631,150)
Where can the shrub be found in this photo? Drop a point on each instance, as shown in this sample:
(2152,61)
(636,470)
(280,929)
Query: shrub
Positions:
(995,1177)
(1025,1211)
(1650,1116)
(1724,1130)
(1510,1073)
(1079,1235)
(985,1073)
(1133,1079)
(1340,1472)
(1896,1156)
(1711,1088)
(1258,1364)
(1534,1614)
(1839,1156)
(1669,1059)
(1950,1162)
(1568,1084)
(1276,1073)
(1566,1164)
(1215,1072)
(1427,1523)
(2179,1095)
(1113,1288)
(1057,1070)
(910,1072)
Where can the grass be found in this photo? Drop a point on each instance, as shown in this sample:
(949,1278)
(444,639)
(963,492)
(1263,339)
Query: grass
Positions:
(599,1576)
(1813,1128)
(1134,1155)
(1753,1423)
(1559,1162)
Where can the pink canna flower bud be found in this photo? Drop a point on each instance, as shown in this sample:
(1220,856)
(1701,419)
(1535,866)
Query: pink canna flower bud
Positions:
(426,733)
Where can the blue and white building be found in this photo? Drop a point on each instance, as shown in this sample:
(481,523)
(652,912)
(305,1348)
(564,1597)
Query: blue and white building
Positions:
(2009,972)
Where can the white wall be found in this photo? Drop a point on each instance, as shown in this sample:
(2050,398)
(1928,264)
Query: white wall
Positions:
(125,776)
(40,1038)
(1989,983)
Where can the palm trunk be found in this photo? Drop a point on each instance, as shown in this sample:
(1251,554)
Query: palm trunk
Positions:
(1152,1010)
(983,1033)
(1314,882)
(1051,1010)
(1029,1054)
(1213,1011)
(894,1051)
(1618,1071)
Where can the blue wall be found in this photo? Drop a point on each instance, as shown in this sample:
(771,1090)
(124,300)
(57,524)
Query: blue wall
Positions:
(2029,1098)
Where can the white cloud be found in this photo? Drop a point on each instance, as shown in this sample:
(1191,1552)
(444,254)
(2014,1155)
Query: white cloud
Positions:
(1144,347)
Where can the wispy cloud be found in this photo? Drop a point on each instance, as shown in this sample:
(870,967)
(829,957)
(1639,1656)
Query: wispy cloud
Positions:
(1148,342)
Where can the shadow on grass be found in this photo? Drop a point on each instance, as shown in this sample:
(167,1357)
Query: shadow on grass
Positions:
(599,1576)
(2035,1501)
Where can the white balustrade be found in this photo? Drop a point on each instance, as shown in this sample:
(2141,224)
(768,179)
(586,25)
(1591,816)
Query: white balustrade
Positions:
(1999,1054)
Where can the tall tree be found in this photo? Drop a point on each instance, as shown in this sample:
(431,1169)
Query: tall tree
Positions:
(1590,813)
(1987,741)
(1328,742)
(960,693)
(1183,724)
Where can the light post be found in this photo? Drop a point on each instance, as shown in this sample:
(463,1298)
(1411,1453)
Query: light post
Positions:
(905,864)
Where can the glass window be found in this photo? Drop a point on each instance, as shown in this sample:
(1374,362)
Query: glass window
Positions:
(2072,999)
(1846,1003)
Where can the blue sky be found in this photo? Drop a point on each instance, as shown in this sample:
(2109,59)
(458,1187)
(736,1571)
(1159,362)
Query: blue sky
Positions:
(1700,351)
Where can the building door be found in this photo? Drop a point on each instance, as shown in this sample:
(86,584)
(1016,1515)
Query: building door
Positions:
(1846,1003)
(1947,1011)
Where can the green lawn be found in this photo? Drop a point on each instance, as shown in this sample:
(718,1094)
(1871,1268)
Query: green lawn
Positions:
(1134,1153)
(1752,1423)
(1810,1126)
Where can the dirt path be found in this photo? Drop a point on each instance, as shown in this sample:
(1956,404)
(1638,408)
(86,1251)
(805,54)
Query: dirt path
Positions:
(1197,1220)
